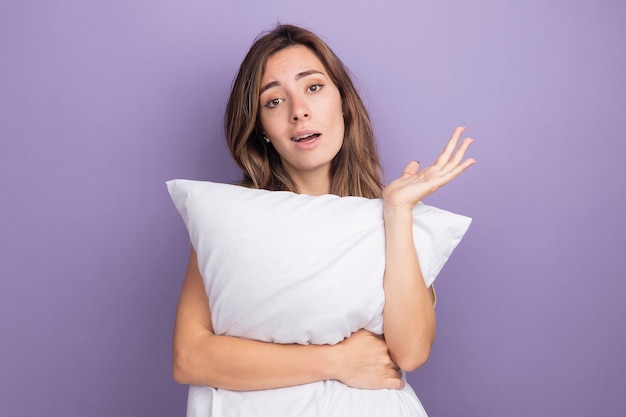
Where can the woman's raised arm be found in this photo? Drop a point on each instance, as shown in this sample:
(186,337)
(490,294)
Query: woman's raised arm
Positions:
(202,358)
(409,316)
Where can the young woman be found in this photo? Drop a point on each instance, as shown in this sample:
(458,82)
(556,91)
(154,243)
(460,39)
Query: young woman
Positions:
(294,121)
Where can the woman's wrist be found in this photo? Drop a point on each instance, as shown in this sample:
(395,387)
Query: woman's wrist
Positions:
(323,362)
(335,359)
(397,215)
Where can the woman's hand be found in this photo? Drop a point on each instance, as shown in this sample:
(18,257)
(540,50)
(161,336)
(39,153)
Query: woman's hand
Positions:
(364,362)
(415,184)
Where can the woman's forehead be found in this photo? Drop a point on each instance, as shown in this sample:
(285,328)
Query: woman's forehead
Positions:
(290,62)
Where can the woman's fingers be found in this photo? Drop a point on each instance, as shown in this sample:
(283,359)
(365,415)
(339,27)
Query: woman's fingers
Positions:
(460,153)
(452,157)
(457,170)
(394,382)
(366,362)
(445,156)
(411,169)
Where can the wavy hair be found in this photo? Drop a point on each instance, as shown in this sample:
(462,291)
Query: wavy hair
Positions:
(355,170)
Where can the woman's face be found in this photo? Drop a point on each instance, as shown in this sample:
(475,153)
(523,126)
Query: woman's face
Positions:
(301,113)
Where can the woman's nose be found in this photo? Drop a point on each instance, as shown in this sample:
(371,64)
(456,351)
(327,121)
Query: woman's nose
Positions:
(300,111)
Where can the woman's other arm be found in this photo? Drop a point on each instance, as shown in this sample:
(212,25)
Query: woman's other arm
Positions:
(409,316)
(202,358)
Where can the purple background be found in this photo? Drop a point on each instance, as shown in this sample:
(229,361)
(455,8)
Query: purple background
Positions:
(102,101)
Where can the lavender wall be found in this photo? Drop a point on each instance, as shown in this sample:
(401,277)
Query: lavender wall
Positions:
(102,101)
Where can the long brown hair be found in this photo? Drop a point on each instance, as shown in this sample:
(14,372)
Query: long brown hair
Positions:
(355,170)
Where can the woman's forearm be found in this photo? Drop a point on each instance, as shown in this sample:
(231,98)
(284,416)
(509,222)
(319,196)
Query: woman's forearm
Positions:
(409,316)
(361,361)
(240,364)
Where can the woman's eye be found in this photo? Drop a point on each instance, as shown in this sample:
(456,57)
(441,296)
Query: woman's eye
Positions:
(315,88)
(274,102)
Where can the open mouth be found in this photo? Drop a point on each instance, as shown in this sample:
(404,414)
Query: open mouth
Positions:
(306,138)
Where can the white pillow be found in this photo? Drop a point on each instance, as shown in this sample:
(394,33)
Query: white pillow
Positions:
(292,268)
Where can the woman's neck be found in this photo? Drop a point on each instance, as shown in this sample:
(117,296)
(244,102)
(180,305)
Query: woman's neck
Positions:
(312,184)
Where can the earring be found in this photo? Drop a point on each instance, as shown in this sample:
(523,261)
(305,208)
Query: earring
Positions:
(266,139)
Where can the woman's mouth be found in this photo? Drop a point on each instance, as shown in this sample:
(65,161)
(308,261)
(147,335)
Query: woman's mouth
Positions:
(306,138)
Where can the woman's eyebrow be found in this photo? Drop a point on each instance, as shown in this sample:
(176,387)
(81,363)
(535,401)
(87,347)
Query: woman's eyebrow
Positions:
(268,86)
(298,76)
(307,73)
